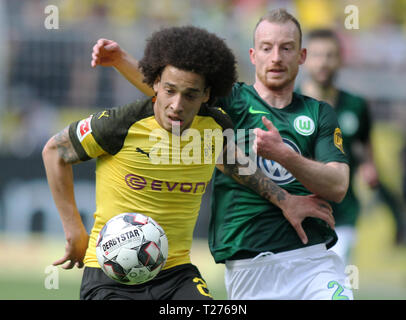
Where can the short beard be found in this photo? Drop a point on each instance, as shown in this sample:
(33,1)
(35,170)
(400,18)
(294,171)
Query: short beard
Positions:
(281,85)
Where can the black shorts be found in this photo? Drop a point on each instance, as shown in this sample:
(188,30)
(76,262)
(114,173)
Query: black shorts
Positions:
(182,282)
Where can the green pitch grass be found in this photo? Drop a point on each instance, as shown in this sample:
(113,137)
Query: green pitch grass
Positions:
(381,265)
(23,274)
(26,273)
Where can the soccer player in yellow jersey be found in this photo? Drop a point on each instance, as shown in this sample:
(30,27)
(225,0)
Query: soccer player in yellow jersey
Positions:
(140,152)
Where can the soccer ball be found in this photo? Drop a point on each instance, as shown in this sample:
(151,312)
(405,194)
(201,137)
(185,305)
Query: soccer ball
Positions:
(132,248)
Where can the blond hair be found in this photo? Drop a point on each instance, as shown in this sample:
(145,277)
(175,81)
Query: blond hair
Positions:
(280,16)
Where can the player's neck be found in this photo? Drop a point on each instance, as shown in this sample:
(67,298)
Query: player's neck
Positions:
(277,98)
(324,93)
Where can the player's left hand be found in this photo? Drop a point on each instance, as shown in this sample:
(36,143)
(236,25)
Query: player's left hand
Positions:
(268,144)
(297,208)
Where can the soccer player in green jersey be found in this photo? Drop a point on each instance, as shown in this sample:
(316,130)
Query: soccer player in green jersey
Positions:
(299,146)
(124,141)
(323,64)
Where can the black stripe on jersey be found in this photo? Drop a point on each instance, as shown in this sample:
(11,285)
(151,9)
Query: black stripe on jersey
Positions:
(110,127)
(76,144)
(220,116)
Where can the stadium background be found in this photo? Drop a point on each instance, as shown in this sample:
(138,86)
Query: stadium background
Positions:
(46,82)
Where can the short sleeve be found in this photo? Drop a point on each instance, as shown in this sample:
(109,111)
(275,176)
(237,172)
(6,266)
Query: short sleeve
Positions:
(82,137)
(104,132)
(329,140)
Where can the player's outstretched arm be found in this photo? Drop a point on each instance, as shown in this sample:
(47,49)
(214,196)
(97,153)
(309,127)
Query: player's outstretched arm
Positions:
(327,180)
(294,208)
(108,53)
(58,156)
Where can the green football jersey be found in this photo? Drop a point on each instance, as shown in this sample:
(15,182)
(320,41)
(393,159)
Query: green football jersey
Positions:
(243,222)
(355,122)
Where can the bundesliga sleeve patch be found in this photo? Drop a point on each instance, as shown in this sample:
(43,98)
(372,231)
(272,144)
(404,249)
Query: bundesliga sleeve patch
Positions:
(338,139)
(83,128)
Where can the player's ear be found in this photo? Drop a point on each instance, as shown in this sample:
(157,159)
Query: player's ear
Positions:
(252,55)
(302,55)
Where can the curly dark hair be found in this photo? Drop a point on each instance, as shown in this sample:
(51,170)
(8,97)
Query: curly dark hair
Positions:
(191,49)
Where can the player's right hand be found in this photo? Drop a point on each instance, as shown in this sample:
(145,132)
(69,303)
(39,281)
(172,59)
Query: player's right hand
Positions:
(75,250)
(268,143)
(298,208)
(106,53)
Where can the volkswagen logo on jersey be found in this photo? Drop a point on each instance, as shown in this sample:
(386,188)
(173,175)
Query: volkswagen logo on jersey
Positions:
(274,170)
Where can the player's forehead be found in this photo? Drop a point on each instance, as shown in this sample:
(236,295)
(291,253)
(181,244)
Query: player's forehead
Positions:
(276,32)
(182,80)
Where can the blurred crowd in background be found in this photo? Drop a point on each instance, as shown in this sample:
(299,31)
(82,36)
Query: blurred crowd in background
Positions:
(46,81)
(46,75)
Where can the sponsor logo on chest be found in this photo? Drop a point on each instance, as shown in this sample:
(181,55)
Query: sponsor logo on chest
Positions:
(274,170)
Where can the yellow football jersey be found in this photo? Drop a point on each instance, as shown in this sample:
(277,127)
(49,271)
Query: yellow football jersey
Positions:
(140,167)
